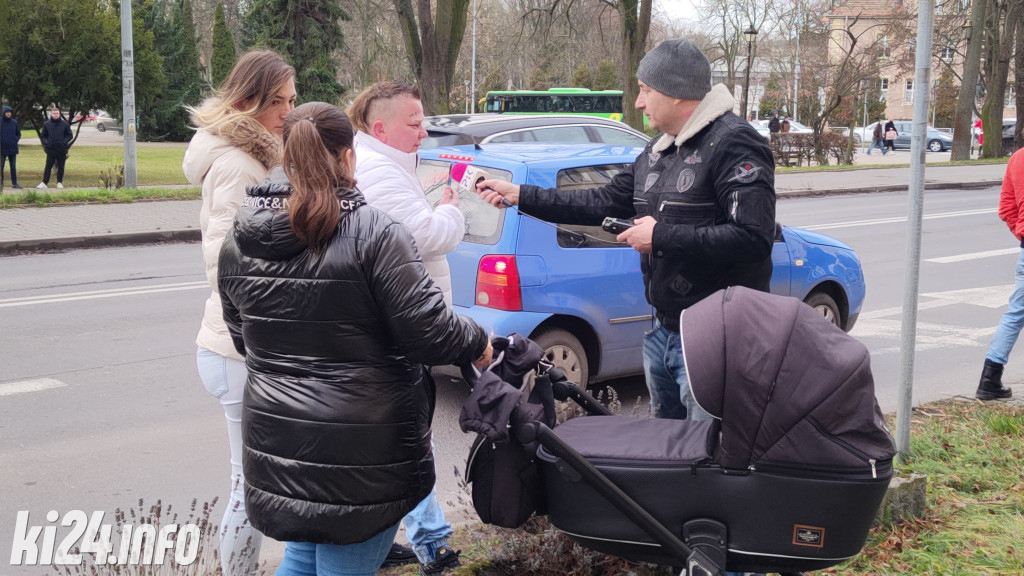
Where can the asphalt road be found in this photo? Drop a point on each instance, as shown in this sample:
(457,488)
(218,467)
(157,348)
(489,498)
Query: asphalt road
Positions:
(100,402)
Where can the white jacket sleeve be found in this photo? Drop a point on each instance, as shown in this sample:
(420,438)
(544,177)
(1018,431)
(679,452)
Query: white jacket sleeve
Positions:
(436,232)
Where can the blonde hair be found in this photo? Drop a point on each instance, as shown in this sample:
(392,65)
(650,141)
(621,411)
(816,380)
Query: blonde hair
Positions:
(369,100)
(316,137)
(256,78)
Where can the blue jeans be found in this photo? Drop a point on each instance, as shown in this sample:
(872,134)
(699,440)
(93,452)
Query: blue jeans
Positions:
(362,559)
(880,144)
(666,376)
(426,528)
(224,378)
(1012,321)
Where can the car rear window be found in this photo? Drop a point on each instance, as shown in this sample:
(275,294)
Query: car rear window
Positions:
(483,221)
(584,178)
(438,139)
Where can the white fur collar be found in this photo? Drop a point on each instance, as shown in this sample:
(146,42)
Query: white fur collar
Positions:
(717,102)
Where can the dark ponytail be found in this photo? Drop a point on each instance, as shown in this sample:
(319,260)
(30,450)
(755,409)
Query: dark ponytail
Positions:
(316,135)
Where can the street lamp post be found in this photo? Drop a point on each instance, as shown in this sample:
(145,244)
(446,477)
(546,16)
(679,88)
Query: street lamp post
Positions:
(469,97)
(750,33)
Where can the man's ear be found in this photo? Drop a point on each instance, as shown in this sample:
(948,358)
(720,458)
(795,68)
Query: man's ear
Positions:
(379,130)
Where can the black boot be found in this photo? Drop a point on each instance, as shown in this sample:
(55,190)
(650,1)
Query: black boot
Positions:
(991,385)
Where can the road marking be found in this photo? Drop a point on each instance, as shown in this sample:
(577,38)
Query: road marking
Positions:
(885,323)
(973,256)
(898,219)
(35,385)
(73,296)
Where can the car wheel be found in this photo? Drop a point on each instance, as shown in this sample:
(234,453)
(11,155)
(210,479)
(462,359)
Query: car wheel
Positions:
(101,127)
(565,352)
(935,146)
(825,305)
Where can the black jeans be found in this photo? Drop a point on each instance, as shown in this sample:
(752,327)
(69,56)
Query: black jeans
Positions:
(14,167)
(52,158)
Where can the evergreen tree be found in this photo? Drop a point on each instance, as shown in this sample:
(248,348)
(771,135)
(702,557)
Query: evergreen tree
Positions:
(607,76)
(308,35)
(176,40)
(223,58)
(581,77)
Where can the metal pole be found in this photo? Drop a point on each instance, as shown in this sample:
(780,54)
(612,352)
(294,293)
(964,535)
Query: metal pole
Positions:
(867,92)
(796,70)
(746,84)
(128,95)
(472,93)
(919,129)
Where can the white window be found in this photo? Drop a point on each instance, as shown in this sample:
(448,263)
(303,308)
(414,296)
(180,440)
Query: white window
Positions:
(1011,98)
(883,43)
(946,53)
(908,92)
(884,90)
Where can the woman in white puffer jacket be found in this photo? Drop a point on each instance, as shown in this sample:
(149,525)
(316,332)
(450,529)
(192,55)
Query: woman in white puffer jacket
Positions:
(237,142)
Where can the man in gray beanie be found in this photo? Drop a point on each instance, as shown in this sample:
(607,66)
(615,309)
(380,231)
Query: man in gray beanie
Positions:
(702,200)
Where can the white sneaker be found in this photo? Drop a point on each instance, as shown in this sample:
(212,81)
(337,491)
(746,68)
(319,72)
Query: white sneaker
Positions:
(41,186)
(59,185)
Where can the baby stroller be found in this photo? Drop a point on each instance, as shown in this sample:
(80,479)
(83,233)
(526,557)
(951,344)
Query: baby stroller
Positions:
(787,477)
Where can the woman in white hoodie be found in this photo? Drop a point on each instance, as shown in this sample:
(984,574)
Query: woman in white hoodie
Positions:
(238,140)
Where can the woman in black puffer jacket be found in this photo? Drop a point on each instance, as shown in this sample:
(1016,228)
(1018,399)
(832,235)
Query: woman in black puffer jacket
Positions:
(336,315)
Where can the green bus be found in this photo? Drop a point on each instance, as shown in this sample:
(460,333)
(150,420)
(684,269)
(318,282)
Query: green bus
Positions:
(604,103)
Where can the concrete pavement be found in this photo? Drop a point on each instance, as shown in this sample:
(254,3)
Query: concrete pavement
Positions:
(90,225)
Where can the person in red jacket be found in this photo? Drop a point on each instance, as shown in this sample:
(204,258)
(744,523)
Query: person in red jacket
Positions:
(1011,211)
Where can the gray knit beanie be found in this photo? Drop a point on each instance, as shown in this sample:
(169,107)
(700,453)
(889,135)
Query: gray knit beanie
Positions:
(676,68)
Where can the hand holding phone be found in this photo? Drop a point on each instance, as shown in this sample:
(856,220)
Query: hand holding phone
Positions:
(616,225)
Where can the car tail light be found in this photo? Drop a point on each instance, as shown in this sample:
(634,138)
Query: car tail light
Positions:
(497,283)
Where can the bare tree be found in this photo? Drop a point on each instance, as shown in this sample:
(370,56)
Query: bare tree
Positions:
(1000,39)
(433,34)
(969,85)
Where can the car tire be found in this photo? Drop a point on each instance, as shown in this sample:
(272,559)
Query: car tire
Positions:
(826,306)
(101,128)
(564,351)
(935,145)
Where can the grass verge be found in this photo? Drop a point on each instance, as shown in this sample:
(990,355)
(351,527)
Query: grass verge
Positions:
(973,454)
(31,197)
(156,165)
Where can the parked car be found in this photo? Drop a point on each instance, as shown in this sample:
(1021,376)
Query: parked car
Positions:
(937,140)
(794,126)
(1009,126)
(573,289)
(457,129)
(762,130)
(104,122)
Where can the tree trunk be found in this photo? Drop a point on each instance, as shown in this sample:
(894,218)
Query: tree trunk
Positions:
(1002,48)
(432,41)
(962,137)
(635,16)
(1018,75)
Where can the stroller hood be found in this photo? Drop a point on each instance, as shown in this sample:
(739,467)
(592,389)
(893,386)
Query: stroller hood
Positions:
(787,385)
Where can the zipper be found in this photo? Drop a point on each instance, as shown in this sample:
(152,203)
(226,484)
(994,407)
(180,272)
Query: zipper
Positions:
(822,472)
(671,464)
(846,446)
(661,207)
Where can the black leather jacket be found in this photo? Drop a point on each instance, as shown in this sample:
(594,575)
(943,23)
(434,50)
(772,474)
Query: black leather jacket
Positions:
(714,200)
(336,414)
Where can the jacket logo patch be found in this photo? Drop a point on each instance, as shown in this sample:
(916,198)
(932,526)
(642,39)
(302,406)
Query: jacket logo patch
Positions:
(745,172)
(651,179)
(693,158)
(653,157)
(813,536)
(685,181)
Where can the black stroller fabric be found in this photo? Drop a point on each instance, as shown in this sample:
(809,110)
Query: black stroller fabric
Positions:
(786,385)
(504,474)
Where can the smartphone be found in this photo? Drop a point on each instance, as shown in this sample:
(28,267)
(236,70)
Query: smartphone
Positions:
(616,225)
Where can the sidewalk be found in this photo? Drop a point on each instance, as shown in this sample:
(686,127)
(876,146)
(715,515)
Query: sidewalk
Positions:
(94,225)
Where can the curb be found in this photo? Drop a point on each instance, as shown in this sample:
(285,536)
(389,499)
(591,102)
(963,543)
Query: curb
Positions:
(193,234)
(99,240)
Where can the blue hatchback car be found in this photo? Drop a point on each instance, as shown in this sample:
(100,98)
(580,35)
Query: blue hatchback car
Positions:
(575,290)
